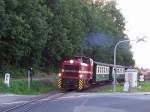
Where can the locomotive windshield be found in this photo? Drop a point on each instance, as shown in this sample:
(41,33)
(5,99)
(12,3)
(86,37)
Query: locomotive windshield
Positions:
(71,67)
(83,59)
(86,60)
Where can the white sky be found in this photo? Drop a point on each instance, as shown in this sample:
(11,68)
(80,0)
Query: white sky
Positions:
(137,15)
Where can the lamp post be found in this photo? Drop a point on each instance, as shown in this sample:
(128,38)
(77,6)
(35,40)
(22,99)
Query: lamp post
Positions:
(114,66)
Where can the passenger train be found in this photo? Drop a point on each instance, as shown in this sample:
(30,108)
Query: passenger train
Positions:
(81,72)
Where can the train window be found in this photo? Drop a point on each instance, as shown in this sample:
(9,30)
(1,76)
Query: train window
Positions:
(103,70)
(118,70)
(121,70)
(98,70)
(86,60)
(106,70)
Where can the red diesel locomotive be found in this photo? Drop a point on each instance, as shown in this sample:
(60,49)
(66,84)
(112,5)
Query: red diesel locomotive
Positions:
(80,72)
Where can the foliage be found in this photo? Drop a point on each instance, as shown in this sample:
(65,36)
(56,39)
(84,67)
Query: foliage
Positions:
(25,32)
(143,87)
(68,30)
(44,32)
(107,19)
(14,72)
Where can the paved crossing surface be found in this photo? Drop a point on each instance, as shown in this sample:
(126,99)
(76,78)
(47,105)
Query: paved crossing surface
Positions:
(8,99)
(92,102)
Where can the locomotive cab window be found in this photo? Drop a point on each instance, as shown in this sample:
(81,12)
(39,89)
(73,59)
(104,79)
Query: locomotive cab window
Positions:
(86,60)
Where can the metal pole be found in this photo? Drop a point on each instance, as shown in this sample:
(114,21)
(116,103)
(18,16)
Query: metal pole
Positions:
(114,67)
(29,79)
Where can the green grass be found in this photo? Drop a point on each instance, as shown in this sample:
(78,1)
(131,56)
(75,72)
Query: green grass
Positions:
(119,88)
(108,88)
(21,87)
(145,87)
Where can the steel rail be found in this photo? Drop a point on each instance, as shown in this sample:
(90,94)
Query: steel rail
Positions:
(31,102)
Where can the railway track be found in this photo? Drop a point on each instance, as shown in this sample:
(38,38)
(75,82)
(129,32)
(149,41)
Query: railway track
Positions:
(28,106)
(92,86)
(98,85)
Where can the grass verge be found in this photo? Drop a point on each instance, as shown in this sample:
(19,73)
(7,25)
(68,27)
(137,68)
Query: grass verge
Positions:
(108,88)
(145,87)
(21,87)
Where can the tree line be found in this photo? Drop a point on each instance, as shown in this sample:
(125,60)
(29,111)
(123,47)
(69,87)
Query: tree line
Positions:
(41,33)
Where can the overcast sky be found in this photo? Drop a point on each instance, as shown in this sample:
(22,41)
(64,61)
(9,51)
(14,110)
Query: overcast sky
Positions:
(136,13)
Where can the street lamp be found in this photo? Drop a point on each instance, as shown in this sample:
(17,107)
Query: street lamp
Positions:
(114,67)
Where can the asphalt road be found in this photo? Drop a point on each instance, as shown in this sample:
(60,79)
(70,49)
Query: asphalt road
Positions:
(8,99)
(94,102)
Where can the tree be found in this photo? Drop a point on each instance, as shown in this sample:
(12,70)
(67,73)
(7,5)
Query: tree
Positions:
(107,19)
(26,32)
(44,32)
(68,30)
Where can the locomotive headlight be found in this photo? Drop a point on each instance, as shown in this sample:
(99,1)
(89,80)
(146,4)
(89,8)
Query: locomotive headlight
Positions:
(59,74)
(71,61)
(81,75)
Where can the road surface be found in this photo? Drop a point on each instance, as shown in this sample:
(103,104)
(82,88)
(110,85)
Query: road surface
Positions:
(94,102)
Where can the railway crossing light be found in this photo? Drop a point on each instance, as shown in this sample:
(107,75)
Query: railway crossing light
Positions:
(115,49)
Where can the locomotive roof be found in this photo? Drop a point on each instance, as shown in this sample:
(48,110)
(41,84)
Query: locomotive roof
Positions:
(81,57)
(105,64)
(100,63)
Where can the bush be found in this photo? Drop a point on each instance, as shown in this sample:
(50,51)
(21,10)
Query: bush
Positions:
(21,87)
(14,71)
